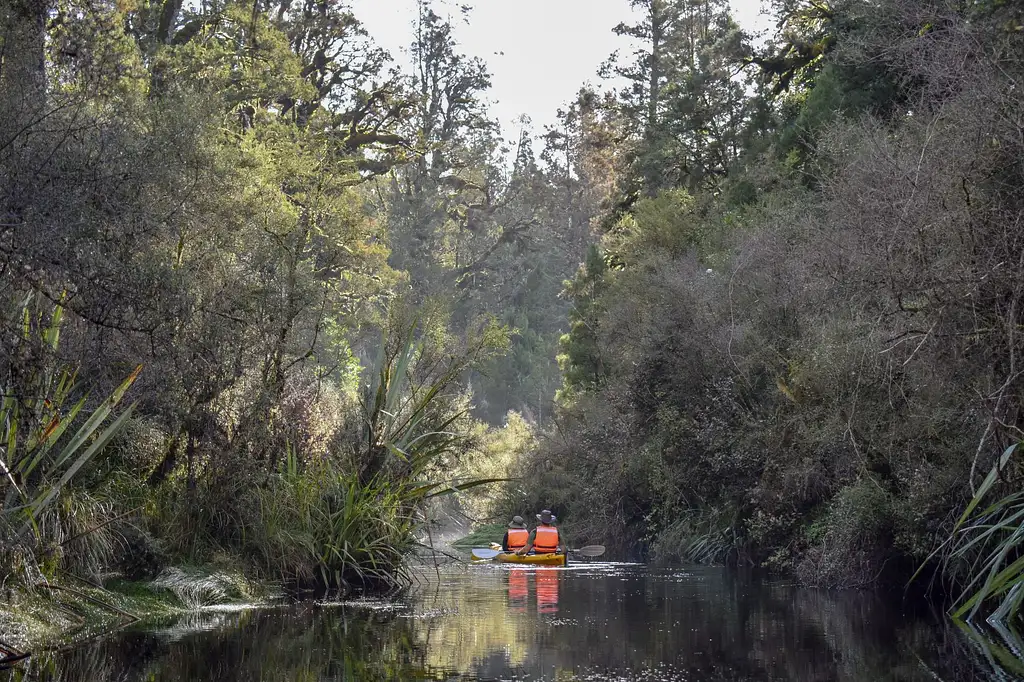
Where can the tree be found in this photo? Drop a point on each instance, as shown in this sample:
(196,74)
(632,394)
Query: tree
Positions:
(687,89)
(582,360)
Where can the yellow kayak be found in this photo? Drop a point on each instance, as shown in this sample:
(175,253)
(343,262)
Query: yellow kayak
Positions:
(535,559)
(532,559)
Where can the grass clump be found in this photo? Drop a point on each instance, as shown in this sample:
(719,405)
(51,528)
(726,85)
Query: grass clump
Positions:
(196,589)
(326,528)
(481,536)
(704,538)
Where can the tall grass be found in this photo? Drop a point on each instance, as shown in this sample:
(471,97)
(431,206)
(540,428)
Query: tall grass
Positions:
(701,537)
(328,528)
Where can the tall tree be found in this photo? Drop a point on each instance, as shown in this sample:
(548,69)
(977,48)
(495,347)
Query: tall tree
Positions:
(686,91)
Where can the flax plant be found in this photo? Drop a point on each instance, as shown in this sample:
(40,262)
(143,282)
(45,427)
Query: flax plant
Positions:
(341,528)
(41,452)
(987,545)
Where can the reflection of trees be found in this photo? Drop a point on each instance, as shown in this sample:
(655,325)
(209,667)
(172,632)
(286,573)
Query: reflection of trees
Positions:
(713,626)
(705,626)
(305,643)
(473,624)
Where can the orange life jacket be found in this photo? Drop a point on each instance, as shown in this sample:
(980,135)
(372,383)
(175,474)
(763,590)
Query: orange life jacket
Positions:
(546,540)
(517,538)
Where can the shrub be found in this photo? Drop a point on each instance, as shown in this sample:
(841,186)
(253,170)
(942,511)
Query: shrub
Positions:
(848,544)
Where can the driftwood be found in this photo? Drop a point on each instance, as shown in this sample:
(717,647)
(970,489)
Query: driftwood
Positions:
(9,655)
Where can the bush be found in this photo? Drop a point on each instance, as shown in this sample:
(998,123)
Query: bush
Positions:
(850,542)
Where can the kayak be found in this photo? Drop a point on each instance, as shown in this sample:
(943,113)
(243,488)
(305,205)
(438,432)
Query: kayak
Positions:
(532,559)
(535,559)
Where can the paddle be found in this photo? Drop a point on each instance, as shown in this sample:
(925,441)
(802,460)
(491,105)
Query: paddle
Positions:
(481,553)
(589,551)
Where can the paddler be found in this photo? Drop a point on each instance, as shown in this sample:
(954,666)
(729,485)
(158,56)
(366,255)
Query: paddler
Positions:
(516,535)
(545,538)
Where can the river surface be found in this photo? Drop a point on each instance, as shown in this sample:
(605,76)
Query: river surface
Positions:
(599,622)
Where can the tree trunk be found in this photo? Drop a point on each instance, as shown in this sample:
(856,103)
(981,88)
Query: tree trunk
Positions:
(653,87)
(22,30)
(22,59)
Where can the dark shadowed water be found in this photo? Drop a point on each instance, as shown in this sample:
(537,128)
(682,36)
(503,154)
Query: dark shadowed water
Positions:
(598,622)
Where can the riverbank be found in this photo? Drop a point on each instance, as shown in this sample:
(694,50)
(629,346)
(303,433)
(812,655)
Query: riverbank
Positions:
(68,611)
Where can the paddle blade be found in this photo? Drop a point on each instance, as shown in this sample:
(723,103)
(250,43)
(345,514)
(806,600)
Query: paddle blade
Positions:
(480,553)
(590,551)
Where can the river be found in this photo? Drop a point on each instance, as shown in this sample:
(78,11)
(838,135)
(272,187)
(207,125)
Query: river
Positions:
(601,622)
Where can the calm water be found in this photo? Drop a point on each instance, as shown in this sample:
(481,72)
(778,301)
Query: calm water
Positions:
(599,622)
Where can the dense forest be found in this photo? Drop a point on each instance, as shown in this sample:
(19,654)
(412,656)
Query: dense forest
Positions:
(795,342)
(266,291)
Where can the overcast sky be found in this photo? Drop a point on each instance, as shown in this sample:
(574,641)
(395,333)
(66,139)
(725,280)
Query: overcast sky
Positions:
(551,47)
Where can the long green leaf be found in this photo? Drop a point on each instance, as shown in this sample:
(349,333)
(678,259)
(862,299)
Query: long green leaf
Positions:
(51,336)
(96,418)
(986,484)
(47,445)
(461,487)
(101,442)
(12,434)
(994,586)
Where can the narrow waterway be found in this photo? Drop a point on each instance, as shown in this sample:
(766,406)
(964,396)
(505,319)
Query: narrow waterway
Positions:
(598,622)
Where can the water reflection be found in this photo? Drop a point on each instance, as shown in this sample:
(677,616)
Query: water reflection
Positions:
(584,623)
(547,591)
(518,591)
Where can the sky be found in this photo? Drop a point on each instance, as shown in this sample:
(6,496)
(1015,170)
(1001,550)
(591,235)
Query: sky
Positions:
(539,52)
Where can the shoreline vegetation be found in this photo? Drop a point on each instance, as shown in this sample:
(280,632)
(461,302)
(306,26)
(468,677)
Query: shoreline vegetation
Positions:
(307,527)
(268,299)
(72,611)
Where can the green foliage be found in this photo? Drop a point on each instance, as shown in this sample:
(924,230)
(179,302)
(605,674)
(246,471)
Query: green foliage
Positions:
(684,99)
(849,543)
(666,225)
(330,528)
(498,453)
(840,91)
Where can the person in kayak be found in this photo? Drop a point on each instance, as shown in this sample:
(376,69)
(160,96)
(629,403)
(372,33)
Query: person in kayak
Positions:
(516,535)
(545,538)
